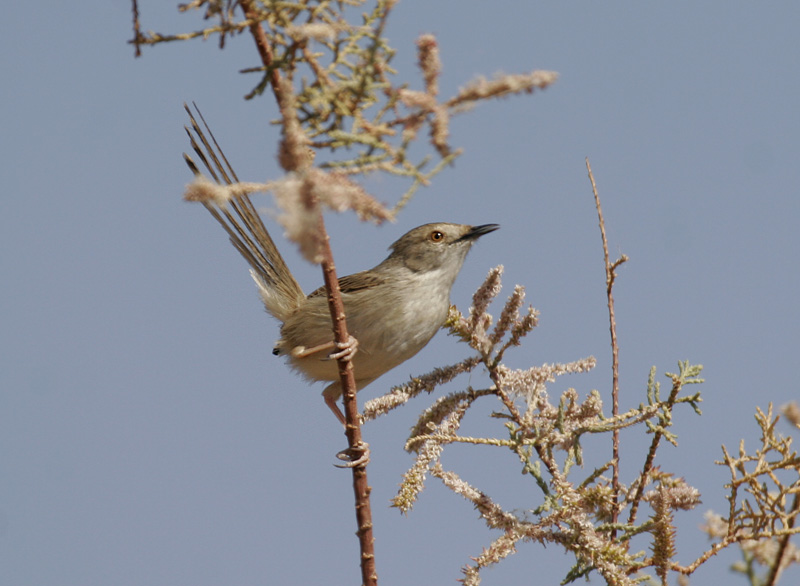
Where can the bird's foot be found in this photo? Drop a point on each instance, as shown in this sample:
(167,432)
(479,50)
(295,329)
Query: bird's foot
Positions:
(346,350)
(358,455)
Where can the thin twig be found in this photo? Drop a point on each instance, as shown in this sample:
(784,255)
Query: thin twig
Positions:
(651,456)
(263,46)
(783,545)
(137,30)
(610,276)
(361,487)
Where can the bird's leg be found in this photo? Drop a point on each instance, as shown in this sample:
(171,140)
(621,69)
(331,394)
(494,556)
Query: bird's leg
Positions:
(346,350)
(330,401)
(359,454)
(303,352)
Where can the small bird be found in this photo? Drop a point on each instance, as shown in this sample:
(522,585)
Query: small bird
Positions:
(392,310)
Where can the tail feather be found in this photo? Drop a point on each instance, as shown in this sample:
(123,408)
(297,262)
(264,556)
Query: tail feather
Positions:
(277,286)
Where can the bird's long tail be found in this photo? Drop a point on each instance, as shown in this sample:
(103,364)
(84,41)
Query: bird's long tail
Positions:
(279,290)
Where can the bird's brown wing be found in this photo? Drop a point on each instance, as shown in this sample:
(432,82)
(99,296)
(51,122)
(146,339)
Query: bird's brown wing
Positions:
(353,283)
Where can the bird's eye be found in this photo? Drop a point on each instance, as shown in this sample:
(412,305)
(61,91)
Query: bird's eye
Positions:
(436,236)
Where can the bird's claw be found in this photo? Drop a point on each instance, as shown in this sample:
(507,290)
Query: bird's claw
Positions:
(346,350)
(358,455)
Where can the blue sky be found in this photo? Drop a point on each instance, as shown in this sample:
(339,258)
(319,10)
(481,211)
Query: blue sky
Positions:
(147,435)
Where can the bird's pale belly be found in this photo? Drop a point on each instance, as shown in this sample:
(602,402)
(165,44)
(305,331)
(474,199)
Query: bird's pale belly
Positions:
(380,348)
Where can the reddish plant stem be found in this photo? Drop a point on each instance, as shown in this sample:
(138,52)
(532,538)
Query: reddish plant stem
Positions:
(610,276)
(369,576)
(137,30)
(783,546)
(263,46)
(361,487)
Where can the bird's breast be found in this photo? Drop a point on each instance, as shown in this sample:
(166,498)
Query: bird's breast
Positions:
(391,321)
(399,323)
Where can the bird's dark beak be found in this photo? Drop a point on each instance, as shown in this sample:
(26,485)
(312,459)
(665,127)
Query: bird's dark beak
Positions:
(478,231)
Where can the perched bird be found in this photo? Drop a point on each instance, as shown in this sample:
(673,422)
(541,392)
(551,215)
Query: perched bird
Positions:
(392,310)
